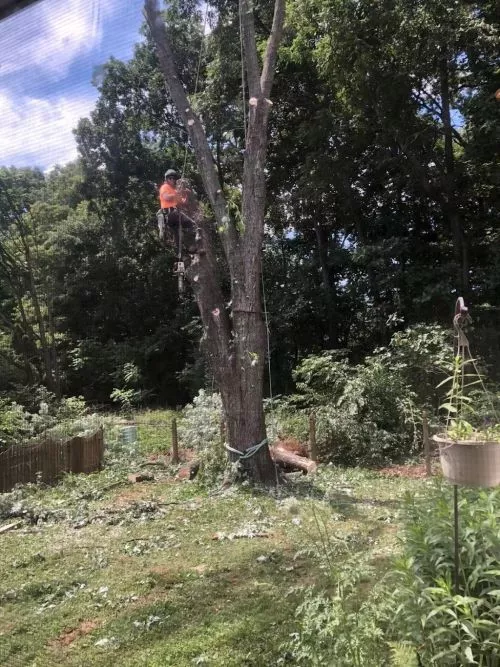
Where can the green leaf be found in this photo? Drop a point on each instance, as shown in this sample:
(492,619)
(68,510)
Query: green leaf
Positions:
(469,656)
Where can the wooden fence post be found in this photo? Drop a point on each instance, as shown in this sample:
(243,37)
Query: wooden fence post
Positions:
(100,448)
(313,452)
(427,444)
(175,442)
(77,455)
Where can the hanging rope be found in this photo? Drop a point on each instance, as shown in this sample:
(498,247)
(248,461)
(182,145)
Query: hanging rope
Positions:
(198,69)
(268,340)
(268,337)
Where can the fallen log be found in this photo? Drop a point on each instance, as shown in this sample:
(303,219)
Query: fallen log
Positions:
(10,526)
(288,460)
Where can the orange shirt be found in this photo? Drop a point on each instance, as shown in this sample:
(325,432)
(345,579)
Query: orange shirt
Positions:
(169,197)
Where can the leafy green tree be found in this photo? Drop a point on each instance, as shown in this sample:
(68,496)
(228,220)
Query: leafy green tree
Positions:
(28,316)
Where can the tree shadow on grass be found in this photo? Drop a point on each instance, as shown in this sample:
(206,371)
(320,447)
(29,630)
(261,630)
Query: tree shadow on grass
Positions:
(233,613)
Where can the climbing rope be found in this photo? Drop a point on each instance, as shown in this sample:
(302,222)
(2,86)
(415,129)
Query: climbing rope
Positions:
(249,452)
(268,340)
(180,268)
(197,79)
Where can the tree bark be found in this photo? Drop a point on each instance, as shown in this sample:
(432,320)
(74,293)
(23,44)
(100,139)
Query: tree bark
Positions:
(236,346)
(450,208)
(322,238)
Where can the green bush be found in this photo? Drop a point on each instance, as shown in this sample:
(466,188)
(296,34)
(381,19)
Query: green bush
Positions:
(348,628)
(200,429)
(57,418)
(370,413)
(419,355)
(321,379)
(284,422)
(14,424)
(413,611)
(366,414)
(343,439)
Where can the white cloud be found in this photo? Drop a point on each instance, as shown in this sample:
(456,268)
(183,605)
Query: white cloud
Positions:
(38,132)
(52,34)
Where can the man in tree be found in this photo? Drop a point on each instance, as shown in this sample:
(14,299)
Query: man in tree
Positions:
(172,200)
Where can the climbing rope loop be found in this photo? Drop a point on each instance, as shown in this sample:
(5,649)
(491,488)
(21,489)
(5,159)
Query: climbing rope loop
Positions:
(249,452)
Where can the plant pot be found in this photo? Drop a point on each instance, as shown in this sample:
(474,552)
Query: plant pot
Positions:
(469,462)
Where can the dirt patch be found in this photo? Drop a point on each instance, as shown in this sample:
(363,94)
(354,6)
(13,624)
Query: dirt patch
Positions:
(131,495)
(408,471)
(184,455)
(70,636)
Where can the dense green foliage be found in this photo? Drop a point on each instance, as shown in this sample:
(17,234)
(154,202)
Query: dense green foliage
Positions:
(370,412)
(413,610)
(382,201)
(452,627)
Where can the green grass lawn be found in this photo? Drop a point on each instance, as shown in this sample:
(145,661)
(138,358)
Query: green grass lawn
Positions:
(166,573)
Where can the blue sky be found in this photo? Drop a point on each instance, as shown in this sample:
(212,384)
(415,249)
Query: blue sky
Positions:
(48,53)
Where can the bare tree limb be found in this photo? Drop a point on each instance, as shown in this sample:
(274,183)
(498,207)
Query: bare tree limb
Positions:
(250,48)
(269,65)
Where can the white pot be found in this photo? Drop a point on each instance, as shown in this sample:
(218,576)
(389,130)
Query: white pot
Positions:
(469,462)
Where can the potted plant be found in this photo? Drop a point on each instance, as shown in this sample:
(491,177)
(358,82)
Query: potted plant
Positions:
(469,454)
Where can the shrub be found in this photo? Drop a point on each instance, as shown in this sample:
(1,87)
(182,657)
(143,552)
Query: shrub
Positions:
(345,628)
(419,354)
(200,429)
(14,424)
(414,608)
(58,419)
(283,422)
(343,439)
(321,379)
(368,413)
